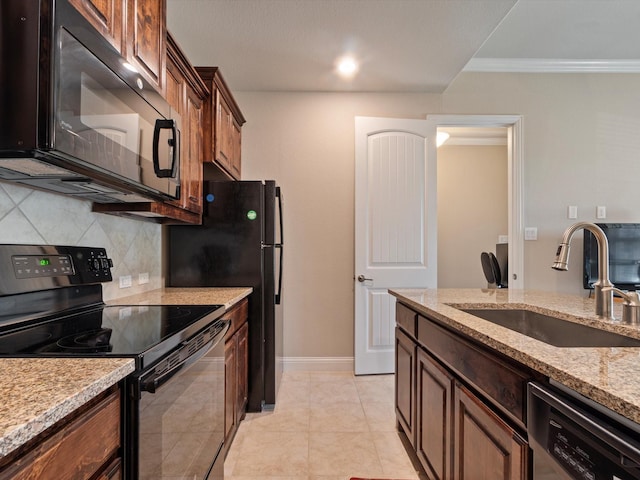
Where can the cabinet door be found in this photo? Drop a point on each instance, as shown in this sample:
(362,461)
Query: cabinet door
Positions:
(405,384)
(434,431)
(113,471)
(243,370)
(486,448)
(106,16)
(230,384)
(78,450)
(145,35)
(223,133)
(236,149)
(192,170)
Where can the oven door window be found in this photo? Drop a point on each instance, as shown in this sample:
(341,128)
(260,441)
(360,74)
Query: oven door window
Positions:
(102,121)
(181,425)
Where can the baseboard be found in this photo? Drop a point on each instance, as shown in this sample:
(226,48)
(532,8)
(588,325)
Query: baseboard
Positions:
(317,364)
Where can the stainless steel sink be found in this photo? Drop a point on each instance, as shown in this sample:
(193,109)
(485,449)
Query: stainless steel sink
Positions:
(552,330)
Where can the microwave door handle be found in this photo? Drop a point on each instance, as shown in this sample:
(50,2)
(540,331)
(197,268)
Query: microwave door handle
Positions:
(174,143)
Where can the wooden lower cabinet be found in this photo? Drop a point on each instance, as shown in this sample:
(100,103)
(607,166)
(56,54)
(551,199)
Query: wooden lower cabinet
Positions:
(83,447)
(405,384)
(434,417)
(456,432)
(486,448)
(236,367)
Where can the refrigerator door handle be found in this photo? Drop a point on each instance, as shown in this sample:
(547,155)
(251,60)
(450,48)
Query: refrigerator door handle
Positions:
(279,292)
(280,245)
(279,197)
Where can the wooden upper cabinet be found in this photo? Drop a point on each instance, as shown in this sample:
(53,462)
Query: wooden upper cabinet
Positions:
(186,93)
(145,39)
(223,122)
(106,16)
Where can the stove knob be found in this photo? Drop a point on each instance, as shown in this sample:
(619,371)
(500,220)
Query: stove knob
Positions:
(94,264)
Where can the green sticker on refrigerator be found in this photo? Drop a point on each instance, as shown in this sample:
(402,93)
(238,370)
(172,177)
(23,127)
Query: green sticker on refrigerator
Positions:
(252,215)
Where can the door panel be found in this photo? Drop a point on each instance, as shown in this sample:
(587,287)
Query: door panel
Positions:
(395,230)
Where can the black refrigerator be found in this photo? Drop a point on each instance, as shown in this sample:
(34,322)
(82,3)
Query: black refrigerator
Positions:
(239,244)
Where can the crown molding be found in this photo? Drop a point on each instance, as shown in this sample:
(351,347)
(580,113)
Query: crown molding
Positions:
(551,65)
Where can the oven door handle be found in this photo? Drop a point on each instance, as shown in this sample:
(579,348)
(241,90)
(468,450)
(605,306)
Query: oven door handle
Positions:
(153,383)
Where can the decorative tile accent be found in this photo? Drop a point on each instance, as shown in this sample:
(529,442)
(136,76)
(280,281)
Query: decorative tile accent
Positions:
(34,217)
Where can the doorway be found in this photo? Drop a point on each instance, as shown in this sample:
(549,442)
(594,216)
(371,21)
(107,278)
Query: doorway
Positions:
(472,205)
(513,125)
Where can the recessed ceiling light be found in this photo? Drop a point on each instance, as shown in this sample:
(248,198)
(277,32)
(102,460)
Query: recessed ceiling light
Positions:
(347,67)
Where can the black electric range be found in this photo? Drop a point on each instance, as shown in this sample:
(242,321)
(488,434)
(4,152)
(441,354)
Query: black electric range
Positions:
(51,305)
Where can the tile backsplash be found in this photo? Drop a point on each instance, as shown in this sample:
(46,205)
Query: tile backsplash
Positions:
(33,217)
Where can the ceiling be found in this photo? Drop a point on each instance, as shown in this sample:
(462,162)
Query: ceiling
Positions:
(402,45)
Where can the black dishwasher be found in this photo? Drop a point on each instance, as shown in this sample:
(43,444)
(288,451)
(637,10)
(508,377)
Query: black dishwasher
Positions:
(573,437)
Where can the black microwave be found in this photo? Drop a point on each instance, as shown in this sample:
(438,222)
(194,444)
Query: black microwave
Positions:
(75,117)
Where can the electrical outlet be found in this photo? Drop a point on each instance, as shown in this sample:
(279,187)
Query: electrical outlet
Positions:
(125,281)
(143,278)
(503,238)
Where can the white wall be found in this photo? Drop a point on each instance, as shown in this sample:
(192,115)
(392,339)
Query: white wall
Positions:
(581,147)
(472,211)
(306,143)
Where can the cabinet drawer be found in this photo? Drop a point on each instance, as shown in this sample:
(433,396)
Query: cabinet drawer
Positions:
(406,319)
(238,315)
(77,451)
(503,383)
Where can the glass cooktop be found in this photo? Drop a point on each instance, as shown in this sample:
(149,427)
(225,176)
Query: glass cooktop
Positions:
(128,330)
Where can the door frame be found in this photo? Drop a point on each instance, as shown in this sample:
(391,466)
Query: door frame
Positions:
(515,159)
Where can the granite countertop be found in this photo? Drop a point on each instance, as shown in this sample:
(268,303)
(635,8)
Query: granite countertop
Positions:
(227,296)
(37,392)
(610,376)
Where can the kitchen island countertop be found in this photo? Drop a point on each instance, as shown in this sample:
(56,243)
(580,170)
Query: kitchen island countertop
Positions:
(610,376)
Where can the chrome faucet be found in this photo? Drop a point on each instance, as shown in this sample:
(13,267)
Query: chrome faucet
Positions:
(603,288)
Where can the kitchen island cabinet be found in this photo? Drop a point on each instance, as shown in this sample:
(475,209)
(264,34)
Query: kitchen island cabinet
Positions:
(475,373)
(456,432)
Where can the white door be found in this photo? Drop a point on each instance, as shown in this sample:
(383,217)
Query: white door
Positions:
(395,237)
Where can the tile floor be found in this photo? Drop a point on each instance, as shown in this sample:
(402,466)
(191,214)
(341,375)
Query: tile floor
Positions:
(326,426)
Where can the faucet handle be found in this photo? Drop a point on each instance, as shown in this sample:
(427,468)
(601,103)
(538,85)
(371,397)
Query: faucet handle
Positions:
(630,306)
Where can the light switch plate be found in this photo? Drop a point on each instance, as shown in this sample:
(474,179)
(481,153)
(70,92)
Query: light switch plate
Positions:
(143,278)
(531,233)
(572,212)
(601,212)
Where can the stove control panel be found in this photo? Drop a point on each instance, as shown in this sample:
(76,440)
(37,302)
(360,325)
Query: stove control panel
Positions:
(34,266)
